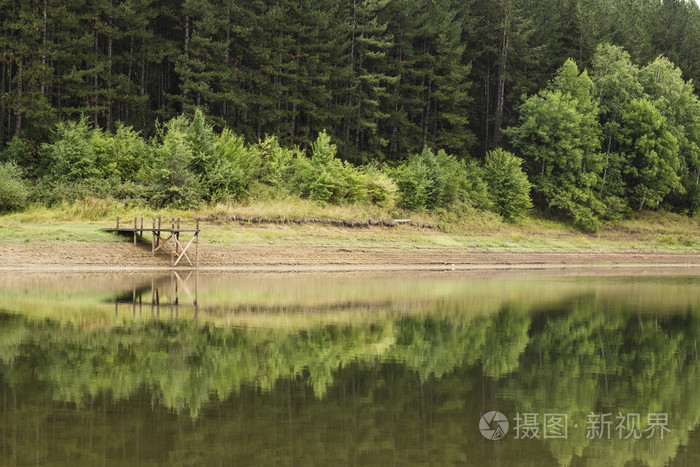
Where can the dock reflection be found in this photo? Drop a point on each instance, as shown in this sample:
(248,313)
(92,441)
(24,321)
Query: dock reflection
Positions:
(161,292)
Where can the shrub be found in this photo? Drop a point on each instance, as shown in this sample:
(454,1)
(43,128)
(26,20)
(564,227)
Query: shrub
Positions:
(381,189)
(414,183)
(232,169)
(473,187)
(22,152)
(325,178)
(430,181)
(50,192)
(124,154)
(70,155)
(278,164)
(173,181)
(508,186)
(13,190)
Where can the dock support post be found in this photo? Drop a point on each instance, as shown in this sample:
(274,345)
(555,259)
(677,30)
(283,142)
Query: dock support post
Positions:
(153,236)
(196,245)
(172,250)
(196,294)
(117,222)
(177,238)
(142,227)
(158,235)
(172,294)
(135,227)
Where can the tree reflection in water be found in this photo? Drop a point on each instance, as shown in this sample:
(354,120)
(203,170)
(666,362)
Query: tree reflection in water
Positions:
(400,387)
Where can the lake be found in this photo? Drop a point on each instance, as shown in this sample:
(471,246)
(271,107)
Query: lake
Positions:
(404,368)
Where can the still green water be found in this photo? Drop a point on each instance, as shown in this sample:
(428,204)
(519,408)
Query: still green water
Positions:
(349,369)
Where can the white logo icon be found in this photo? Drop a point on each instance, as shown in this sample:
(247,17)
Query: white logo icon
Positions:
(493,425)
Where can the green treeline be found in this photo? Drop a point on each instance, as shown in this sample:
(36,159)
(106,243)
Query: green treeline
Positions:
(384,80)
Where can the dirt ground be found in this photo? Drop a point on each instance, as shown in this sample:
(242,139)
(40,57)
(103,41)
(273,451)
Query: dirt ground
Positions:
(106,256)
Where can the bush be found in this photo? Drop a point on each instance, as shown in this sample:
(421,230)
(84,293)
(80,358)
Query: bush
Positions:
(13,190)
(431,181)
(51,192)
(123,154)
(70,155)
(279,165)
(509,188)
(22,152)
(325,178)
(381,189)
(415,184)
(229,174)
(173,181)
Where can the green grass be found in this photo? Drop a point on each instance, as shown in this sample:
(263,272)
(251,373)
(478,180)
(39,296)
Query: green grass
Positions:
(82,221)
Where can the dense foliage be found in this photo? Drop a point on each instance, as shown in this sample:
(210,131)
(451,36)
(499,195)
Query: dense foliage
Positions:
(110,99)
(507,184)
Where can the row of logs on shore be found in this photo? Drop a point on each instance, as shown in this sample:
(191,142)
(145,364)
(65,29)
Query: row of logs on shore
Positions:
(327,221)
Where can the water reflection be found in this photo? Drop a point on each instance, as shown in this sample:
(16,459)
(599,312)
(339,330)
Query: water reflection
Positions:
(343,369)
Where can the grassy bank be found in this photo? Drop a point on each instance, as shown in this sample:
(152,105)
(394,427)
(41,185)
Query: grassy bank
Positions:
(81,222)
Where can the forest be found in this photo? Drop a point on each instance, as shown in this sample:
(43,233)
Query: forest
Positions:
(584,110)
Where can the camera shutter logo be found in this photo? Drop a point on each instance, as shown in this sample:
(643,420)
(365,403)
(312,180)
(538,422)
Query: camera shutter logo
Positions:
(493,425)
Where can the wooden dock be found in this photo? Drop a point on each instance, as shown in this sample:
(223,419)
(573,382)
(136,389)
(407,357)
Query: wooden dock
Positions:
(163,237)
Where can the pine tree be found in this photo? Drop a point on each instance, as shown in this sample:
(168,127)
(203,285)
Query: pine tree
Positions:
(369,45)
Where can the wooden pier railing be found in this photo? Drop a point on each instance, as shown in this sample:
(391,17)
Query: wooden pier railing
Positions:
(164,238)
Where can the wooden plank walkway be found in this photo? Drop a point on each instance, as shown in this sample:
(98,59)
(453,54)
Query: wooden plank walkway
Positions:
(164,238)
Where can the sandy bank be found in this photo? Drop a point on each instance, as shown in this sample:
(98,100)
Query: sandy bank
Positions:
(272,257)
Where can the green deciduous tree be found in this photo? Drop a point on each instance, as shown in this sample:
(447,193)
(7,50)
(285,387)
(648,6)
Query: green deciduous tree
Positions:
(616,84)
(649,153)
(677,102)
(559,137)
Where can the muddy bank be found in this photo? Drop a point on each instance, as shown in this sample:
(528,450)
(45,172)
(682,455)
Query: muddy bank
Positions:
(299,256)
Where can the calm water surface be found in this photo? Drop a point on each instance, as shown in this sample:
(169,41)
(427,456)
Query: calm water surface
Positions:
(349,369)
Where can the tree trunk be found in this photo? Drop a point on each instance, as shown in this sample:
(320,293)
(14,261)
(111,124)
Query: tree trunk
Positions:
(487,120)
(296,88)
(224,104)
(142,90)
(131,65)
(427,118)
(109,79)
(502,67)
(43,53)
(644,198)
(9,107)
(94,85)
(2,107)
(186,53)
(607,159)
(18,120)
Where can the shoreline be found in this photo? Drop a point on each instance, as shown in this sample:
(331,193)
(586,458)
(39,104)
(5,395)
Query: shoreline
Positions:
(290,257)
